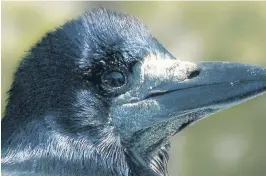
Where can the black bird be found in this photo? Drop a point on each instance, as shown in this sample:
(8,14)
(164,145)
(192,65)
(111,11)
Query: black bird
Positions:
(100,96)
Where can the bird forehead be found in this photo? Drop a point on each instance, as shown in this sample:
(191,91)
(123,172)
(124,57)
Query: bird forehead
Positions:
(101,33)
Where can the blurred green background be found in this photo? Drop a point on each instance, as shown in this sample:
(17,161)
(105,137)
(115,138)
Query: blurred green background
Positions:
(230,143)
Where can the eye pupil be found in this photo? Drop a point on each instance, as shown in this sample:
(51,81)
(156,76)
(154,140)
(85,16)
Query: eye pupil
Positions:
(114,79)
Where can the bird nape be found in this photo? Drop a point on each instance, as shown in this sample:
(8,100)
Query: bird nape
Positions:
(100,96)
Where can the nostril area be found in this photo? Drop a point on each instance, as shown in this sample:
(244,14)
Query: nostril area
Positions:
(193,74)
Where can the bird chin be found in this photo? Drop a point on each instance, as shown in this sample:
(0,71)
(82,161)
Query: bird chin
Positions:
(187,119)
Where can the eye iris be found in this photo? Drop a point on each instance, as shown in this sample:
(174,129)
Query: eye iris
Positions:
(114,79)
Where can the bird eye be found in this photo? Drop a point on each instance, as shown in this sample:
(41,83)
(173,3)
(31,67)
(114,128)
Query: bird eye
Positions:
(114,79)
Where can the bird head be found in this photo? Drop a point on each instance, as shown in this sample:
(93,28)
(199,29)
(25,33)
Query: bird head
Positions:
(101,86)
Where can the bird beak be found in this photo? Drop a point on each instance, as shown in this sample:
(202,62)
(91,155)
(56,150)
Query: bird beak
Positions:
(175,94)
(213,86)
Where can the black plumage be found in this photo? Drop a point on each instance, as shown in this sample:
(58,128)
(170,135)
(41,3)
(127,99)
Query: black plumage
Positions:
(85,100)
